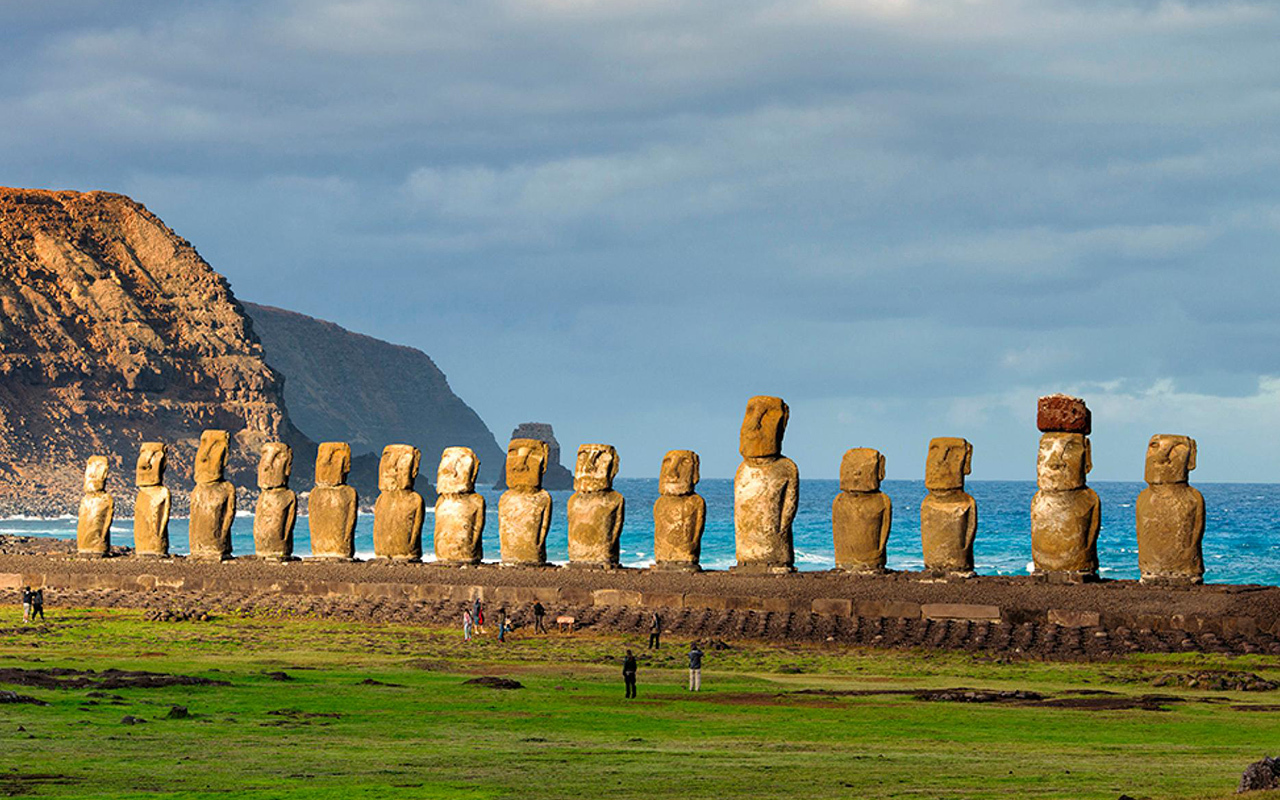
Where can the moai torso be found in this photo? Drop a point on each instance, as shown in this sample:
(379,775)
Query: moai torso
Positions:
(766,490)
(93,525)
(332,505)
(151,506)
(595,510)
(1170,514)
(277,508)
(1065,513)
(524,510)
(948,515)
(213,500)
(679,514)
(459,517)
(861,515)
(399,510)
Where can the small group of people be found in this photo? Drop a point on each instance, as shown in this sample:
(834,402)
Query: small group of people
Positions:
(32,604)
(695,668)
(473,621)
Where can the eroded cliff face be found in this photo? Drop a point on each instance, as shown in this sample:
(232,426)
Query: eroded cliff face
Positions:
(114,331)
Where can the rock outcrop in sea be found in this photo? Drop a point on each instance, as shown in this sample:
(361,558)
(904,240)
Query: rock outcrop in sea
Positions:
(557,477)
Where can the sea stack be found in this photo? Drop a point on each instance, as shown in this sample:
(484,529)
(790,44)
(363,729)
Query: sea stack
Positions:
(1170,514)
(1065,512)
(766,490)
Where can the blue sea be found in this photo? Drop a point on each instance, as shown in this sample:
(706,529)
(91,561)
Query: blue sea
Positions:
(1241,543)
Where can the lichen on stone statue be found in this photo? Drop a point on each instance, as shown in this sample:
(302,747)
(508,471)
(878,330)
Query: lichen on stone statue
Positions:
(524,510)
(766,490)
(948,514)
(1170,514)
(152,503)
(1066,514)
(93,525)
(861,514)
(332,505)
(399,510)
(213,500)
(679,514)
(595,510)
(460,510)
(277,508)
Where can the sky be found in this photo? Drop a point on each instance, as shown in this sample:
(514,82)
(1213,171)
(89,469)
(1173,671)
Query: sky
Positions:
(908,218)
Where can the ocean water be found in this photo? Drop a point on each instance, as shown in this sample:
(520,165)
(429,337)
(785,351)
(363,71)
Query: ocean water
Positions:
(1241,543)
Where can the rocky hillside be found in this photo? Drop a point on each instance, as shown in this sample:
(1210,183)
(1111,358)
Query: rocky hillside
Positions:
(344,386)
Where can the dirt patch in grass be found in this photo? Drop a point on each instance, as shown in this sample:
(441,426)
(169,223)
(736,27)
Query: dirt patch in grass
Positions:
(7,697)
(494,682)
(15,784)
(58,678)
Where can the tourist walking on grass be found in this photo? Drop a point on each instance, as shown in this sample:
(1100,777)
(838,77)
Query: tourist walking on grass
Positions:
(695,667)
(37,604)
(26,605)
(539,613)
(477,616)
(466,625)
(502,624)
(655,631)
(629,674)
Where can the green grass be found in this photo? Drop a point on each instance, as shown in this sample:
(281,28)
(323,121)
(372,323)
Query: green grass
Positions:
(569,733)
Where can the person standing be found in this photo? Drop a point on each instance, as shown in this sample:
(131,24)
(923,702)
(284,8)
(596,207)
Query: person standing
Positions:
(695,667)
(629,674)
(26,605)
(655,631)
(466,624)
(539,613)
(477,616)
(502,624)
(37,604)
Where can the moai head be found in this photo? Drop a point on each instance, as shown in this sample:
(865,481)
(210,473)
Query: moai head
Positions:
(458,469)
(597,465)
(862,469)
(680,473)
(399,467)
(526,463)
(762,427)
(949,460)
(95,474)
(1170,458)
(333,462)
(275,465)
(149,471)
(211,458)
(1064,461)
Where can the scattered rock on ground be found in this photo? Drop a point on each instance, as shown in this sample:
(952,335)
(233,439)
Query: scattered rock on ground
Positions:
(1264,774)
(14,697)
(494,682)
(129,719)
(1217,681)
(178,712)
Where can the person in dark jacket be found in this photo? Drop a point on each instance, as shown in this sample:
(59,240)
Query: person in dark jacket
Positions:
(629,674)
(695,667)
(655,631)
(538,613)
(37,604)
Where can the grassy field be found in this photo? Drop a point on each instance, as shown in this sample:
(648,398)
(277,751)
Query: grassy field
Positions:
(752,732)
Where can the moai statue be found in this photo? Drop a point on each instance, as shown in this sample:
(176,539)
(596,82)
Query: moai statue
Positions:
(213,501)
(93,528)
(277,508)
(1170,514)
(399,510)
(679,514)
(1065,513)
(595,510)
(332,506)
(524,510)
(459,509)
(861,514)
(766,490)
(151,507)
(948,515)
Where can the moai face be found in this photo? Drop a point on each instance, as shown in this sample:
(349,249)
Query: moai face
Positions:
(680,473)
(149,471)
(861,470)
(95,474)
(597,465)
(275,465)
(1170,458)
(948,462)
(526,462)
(398,468)
(1064,461)
(458,469)
(333,462)
(211,458)
(763,427)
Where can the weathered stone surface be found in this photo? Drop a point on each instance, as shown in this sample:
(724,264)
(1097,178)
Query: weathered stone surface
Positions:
(524,510)
(332,505)
(277,508)
(460,511)
(766,490)
(213,500)
(595,510)
(679,513)
(1074,619)
(967,611)
(948,515)
(615,597)
(1170,514)
(1060,413)
(657,599)
(861,515)
(1065,513)
(399,510)
(886,609)
(832,607)
(93,526)
(152,504)
(555,476)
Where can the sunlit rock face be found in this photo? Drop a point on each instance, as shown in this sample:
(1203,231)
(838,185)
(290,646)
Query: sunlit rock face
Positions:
(213,500)
(1170,514)
(460,511)
(332,506)
(679,514)
(399,511)
(861,515)
(524,510)
(766,490)
(948,515)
